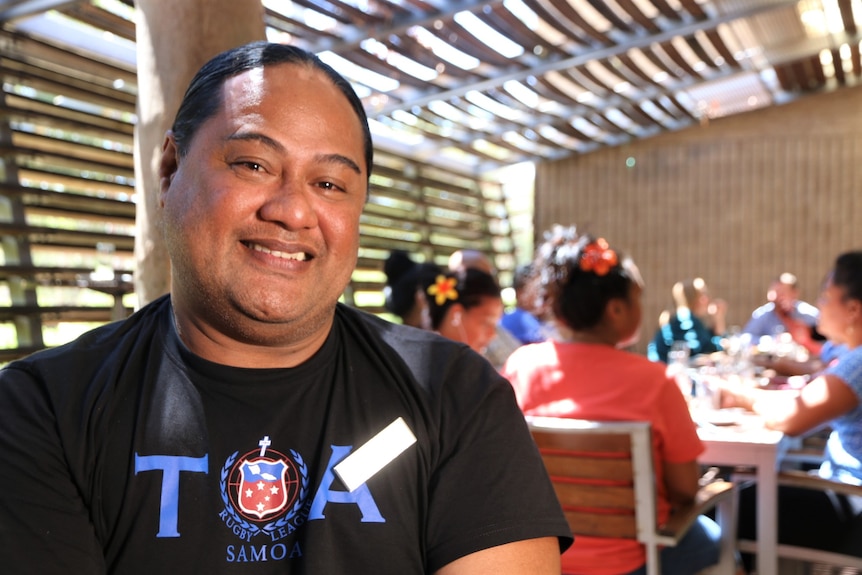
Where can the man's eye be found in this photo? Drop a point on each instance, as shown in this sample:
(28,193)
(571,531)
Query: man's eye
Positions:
(247,165)
(329,186)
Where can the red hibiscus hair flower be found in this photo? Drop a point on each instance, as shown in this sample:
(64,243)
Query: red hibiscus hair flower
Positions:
(598,258)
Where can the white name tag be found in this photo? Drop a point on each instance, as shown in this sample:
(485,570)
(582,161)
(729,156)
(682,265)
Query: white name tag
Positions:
(362,464)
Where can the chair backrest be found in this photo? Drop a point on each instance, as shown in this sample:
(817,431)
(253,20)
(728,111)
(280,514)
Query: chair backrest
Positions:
(604,477)
(602,473)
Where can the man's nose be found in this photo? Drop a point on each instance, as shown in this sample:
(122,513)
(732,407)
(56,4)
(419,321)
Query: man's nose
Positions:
(291,205)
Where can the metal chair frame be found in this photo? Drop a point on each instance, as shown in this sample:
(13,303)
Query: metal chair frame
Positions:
(604,477)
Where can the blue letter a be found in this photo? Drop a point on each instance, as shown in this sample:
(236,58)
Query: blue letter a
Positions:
(360,496)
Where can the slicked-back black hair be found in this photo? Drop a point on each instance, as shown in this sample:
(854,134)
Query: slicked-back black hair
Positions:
(202,99)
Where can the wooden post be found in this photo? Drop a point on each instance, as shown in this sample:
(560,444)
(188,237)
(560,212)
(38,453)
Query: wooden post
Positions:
(174,38)
(28,328)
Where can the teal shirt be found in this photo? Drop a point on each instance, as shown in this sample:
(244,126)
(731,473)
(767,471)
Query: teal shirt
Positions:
(683,326)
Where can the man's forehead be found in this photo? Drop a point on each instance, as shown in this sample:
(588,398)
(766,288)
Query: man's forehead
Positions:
(258,94)
(243,89)
(249,82)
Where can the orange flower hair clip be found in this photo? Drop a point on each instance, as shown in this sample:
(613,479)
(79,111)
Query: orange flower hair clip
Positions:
(442,289)
(598,258)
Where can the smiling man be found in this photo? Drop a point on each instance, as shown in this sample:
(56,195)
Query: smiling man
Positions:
(247,422)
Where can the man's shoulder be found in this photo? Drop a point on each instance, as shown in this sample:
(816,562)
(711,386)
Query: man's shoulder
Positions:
(387,331)
(764,310)
(805,309)
(402,339)
(430,357)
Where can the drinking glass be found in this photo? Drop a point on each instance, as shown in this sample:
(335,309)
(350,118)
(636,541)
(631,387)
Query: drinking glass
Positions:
(679,353)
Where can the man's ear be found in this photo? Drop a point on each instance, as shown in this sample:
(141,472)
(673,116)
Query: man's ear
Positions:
(168,165)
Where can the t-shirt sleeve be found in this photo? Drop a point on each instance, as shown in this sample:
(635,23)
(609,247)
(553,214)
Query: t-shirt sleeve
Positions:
(849,370)
(44,524)
(490,487)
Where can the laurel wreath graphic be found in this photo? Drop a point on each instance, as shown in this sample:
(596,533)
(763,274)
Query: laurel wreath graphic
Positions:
(272,525)
(300,501)
(225,471)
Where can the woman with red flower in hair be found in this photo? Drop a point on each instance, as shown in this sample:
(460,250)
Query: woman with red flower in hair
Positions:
(594,294)
(465,306)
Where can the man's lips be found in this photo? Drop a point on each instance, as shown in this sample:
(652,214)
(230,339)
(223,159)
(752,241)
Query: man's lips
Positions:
(295,256)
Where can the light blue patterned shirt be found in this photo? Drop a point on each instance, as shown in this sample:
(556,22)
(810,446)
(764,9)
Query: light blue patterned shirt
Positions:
(844,448)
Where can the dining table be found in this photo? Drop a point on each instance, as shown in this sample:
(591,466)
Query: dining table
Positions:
(735,438)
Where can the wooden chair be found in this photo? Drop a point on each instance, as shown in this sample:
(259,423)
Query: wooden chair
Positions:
(604,478)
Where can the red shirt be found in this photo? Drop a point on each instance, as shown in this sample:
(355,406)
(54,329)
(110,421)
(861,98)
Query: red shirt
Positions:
(594,381)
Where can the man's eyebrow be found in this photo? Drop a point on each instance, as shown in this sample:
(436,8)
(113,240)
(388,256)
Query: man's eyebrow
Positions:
(257,137)
(270,143)
(340,159)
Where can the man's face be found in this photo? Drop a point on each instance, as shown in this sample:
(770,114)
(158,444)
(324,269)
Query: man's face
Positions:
(784,297)
(261,216)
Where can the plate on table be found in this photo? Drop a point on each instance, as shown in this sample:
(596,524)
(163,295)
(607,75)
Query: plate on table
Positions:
(720,417)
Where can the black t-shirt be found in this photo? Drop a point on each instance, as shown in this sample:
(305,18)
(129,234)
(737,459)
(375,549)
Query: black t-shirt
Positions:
(122,452)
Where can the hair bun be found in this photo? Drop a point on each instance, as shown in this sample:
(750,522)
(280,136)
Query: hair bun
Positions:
(397,265)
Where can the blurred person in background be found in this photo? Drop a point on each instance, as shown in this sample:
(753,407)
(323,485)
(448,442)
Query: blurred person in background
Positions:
(785,312)
(503,343)
(833,398)
(404,290)
(697,320)
(522,321)
(465,306)
(594,294)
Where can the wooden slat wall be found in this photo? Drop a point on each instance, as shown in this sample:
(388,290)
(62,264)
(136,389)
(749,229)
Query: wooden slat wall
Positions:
(67,185)
(736,201)
(69,180)
(430,213)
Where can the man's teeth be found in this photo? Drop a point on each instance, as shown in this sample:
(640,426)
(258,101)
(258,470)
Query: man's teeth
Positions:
(299,256)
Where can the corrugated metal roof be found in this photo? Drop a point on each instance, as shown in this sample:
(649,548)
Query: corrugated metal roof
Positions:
(479,84)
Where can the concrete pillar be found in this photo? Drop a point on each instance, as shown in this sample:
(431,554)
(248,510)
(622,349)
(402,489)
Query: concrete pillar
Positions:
(174,38)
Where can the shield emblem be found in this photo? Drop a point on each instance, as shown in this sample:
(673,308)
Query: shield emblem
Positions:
(262,490)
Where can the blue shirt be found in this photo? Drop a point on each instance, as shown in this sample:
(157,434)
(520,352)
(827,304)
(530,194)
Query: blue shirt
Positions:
(844,447)
(831,351)
(764,320)
(523,325)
